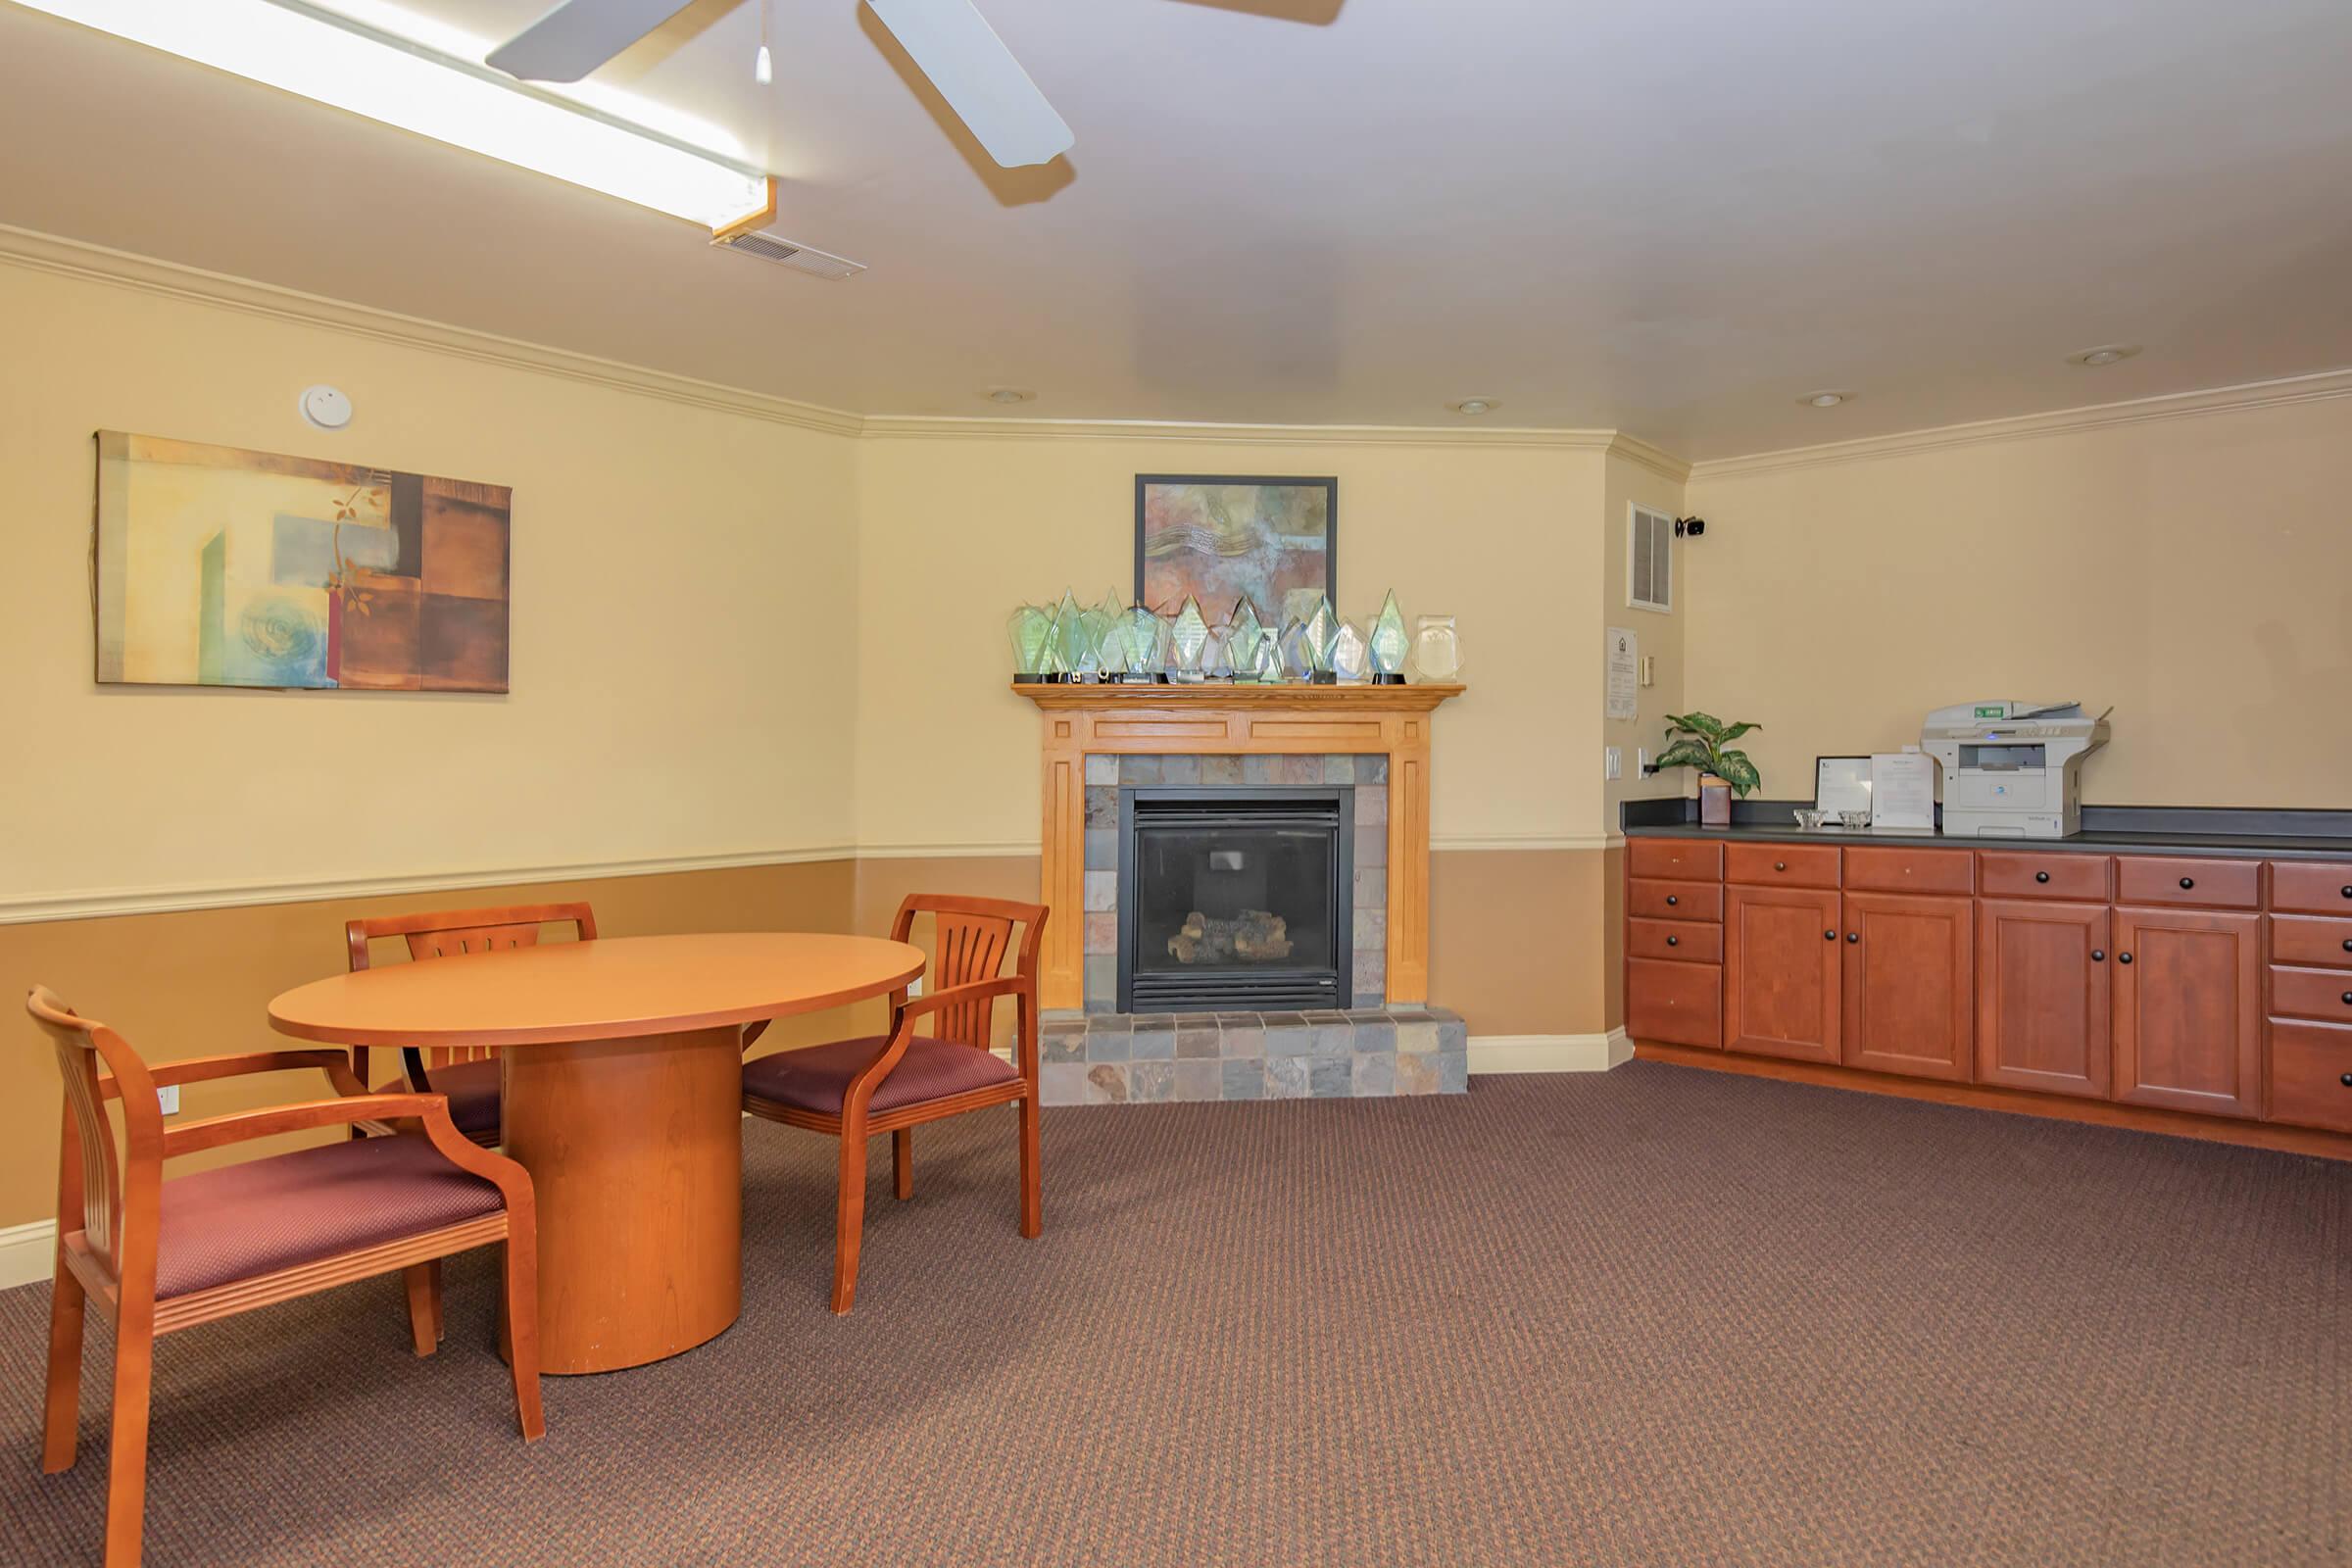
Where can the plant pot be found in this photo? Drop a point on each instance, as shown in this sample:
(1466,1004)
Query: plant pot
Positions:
(1714,802)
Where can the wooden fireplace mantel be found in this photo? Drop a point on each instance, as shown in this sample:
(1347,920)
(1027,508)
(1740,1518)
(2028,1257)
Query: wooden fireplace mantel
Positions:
(1223,719)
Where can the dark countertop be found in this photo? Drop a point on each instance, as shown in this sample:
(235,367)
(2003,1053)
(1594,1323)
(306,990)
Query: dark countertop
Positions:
(2214,832)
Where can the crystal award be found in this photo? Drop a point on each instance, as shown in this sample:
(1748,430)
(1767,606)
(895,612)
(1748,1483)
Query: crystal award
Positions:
(1241,633)
(1188,633)
(1030,629)
(1321,627)
(1388,644)
(1350,657)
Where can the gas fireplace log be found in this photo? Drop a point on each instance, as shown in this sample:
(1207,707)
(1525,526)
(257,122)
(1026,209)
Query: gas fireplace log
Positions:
(1256,937)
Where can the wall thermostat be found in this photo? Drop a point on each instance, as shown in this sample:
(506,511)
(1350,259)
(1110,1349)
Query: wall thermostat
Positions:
(325,407)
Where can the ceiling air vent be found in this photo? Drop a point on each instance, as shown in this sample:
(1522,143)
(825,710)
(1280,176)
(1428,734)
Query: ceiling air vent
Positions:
(748,236)
(1650,560)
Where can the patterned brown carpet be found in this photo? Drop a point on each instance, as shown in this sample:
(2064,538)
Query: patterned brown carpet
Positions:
(1657,1316)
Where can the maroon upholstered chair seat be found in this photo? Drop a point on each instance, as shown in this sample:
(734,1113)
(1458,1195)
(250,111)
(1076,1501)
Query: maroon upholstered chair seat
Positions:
(816,1078)
(266,1214)
(472,1091)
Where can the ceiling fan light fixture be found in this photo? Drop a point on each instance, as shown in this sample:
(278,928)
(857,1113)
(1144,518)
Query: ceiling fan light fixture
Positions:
(403,80)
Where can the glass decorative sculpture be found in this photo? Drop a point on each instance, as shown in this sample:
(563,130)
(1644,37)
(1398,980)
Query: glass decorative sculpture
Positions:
(1146,635)
(1241,633)
(1069,633)
(1389,644)
(1114,647)
(1030,629)
(1350,655)
(1266,663)
(1321,627)
(1189,632)
(1216,655)
(1298,653)
(1437,651)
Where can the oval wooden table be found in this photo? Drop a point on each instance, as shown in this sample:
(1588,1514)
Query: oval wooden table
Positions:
(621,1081)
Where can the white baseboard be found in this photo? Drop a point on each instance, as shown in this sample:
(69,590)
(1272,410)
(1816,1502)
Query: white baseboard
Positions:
(1549,1052)
(27,1252)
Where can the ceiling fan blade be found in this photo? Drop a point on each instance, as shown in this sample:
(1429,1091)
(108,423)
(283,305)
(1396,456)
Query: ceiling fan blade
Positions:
(973,70)
(580,35)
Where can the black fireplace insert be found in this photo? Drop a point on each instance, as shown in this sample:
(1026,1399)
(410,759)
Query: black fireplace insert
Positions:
(1236,897)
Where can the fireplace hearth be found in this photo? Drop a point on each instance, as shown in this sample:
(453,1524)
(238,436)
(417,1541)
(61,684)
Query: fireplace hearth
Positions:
(1236,897)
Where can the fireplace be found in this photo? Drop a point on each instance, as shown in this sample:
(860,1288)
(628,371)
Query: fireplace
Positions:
(1236,897)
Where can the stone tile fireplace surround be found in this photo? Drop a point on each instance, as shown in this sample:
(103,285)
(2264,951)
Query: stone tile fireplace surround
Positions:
(1371,740)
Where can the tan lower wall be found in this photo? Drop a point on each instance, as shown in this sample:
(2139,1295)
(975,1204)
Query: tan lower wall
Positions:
(1612,933)
(199,984)
(1513,949)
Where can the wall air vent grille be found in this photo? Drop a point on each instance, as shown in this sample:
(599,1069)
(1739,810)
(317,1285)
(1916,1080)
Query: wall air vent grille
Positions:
(1650,561)
(769,247)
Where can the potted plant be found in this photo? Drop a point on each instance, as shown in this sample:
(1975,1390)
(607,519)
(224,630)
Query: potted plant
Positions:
(1704,740)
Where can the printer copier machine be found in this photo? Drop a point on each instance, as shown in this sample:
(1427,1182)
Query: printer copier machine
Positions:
(2012,769)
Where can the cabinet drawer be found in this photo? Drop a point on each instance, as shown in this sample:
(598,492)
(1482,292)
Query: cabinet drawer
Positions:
(1795,865)
(2301,939)
(2009,874)
(1675,901)
(2213,884)
(2311,1075)
(1684,941)
(1674,1003)
(1683,860)
(2323,994)
(2314,886)
(1884,868)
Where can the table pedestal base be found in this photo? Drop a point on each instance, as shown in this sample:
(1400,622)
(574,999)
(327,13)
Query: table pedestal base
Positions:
(635,1150)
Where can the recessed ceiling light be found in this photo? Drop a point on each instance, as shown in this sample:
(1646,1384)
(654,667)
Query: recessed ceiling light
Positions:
(1826,400)
(1007,394)
(1474,407)
(2104,354)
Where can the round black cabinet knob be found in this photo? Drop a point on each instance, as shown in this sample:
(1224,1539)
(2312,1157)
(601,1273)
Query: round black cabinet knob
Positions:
(1853,936)
(2042,876)
(1674,942)
(2123,958)
(2348,999)
(2348,892)
(2348,944)
(1671,898)
(1829,936)
(2098,955)
(2346,1080)
(1779,865)
(2188,881)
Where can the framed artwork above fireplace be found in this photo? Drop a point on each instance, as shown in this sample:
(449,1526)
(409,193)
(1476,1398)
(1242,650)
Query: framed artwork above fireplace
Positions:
(1222,537)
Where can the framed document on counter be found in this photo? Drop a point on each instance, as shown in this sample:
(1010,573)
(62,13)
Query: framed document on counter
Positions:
(1902,791)
(1841,784)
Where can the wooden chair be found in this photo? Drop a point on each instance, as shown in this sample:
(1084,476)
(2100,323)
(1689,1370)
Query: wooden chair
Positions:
(469,1075)
(154,1255)
(852,1089)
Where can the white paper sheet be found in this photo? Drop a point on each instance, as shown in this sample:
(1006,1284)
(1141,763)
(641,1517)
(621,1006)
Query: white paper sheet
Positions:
(1625,672)
(1902,790)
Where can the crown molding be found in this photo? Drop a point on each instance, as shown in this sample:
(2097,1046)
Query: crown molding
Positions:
(98,903)
(960,428)
(2248,396)
(1658,459)
(76,259)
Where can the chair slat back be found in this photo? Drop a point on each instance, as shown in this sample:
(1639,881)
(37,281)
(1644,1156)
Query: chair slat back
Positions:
(971,938)
(454,933)
(91,1170)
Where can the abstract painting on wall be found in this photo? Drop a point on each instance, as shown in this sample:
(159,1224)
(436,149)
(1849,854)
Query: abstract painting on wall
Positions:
(1222,539)
(223,568)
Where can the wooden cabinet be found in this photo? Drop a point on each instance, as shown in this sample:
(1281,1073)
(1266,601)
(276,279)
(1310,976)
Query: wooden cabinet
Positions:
(2188,1010)
(2311,1075)
(1781,994)
(2042,995)
(1678,1004)
(1908,997)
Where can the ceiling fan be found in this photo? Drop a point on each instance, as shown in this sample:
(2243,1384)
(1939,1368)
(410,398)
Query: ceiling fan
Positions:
(949,41)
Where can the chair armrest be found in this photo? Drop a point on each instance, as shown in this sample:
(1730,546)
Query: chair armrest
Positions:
(1009,985)
(265,1121)
(199,1069)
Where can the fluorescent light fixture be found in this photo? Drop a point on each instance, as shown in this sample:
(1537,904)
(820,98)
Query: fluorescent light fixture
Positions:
(375,60)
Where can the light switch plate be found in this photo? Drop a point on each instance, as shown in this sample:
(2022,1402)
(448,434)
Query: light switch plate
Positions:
(168,1094)
(1649,669)
(1613,762)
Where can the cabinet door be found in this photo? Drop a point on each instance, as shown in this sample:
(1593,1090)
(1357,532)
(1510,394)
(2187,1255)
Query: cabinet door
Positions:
(1909,1007)
(1780,971)
(2041,995)
(2189,1010)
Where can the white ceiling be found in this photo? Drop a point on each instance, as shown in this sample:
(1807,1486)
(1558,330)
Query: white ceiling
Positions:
(1667,219)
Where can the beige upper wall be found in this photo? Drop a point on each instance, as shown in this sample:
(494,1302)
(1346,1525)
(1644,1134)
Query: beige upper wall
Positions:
(1660,635)
(959,529)
(683,665)
(2194,571)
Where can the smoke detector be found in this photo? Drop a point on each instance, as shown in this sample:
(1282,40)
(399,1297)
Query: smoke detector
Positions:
(757,236)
